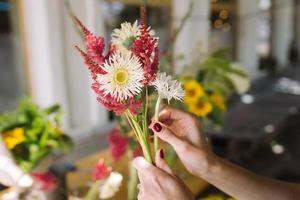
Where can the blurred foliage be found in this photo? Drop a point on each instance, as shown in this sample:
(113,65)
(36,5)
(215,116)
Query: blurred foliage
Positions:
(210,81)
(214,70)
(40,129)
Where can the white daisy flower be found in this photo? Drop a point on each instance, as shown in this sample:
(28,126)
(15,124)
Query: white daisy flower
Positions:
(123,77)
(168,88)
(111,185)
(124,37)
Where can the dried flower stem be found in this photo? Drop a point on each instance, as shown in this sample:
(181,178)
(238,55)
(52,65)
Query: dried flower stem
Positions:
(156,118)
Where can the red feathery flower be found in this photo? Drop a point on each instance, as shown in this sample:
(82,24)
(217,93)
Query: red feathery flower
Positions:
(94,58)
(45,181)
(117,143)
(145,47)
(101,171)
(134,105)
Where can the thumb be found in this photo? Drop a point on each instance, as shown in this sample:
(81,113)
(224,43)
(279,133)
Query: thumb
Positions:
(165,134)
(161,162)
(143,167)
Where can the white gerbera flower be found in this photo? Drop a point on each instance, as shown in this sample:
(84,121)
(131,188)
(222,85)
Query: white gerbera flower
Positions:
(168,88)
(111,185)
(123,76)
(124,37)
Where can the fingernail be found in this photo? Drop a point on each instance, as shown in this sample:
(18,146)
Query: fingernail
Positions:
(157,127)
(161,154)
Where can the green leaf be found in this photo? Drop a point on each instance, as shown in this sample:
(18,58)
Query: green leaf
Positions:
(222,52)
(52,109)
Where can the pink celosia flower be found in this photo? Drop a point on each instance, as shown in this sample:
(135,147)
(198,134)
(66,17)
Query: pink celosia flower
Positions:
(117,143)
(101,171)
(45,181)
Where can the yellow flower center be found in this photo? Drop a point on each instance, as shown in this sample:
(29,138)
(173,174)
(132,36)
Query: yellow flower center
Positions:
(121,76)
(200,105)
(191,92)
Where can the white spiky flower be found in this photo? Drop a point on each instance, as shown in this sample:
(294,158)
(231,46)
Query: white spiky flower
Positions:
(123,77)
(111,185)
(168,88)
(124,37)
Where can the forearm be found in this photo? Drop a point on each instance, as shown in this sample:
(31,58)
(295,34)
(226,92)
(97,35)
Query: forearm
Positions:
(245,185)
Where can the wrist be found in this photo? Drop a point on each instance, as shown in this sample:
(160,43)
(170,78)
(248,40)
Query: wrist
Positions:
(210,165)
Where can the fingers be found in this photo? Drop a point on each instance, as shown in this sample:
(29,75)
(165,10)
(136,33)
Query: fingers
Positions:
(165,134)
(161,162)
(168,113)
(144,168)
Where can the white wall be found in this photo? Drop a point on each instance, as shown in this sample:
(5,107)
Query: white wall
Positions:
(57,72)
(247,35)
(282,30)
(196,31)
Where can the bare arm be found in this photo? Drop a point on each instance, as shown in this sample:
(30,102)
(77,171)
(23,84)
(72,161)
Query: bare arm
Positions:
(182,131)
(245,185)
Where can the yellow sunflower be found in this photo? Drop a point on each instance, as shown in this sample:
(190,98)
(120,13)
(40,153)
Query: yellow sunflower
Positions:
(218,101)
(200,108)
(14,137)
(193,91)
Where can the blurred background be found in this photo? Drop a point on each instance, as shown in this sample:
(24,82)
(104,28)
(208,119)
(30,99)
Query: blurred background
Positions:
(262,127)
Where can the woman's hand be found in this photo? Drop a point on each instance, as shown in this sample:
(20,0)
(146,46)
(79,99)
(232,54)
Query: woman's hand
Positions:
(159,182)
(183,132)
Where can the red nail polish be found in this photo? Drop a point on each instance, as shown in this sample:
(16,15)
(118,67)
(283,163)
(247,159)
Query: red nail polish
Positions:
(161,154)
(157,127)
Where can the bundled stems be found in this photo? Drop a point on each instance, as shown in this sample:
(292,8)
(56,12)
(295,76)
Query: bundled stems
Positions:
(141,135)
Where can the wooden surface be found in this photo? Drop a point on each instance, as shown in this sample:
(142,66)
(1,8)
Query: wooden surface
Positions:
(79,180)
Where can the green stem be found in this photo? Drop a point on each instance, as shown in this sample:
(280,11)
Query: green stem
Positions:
(93,192)
(142,138)
(132,126)
(145,124)
(144,142)
(133,181)
(156,118)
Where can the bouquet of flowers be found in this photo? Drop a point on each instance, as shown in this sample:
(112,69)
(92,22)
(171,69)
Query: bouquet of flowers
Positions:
(127,81)
(124,75)
(31,134)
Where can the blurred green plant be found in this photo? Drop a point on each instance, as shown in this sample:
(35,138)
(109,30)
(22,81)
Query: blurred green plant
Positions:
(32,133)
(210,81)
(216,70)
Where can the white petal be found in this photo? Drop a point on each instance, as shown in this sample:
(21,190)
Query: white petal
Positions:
(111,186)
(131,65)
(168,88)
